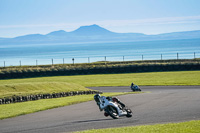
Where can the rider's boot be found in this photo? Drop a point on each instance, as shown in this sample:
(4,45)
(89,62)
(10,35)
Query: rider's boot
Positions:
(123,105)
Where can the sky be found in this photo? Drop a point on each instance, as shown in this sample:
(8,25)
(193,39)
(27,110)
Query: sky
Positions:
(22,17)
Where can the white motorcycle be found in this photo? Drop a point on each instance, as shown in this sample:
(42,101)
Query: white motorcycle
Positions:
(112,107)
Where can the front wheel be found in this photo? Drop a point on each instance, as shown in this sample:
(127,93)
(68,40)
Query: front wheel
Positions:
(112,111)
(129,112)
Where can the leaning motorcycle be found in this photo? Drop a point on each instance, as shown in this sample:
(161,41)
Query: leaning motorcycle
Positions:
(135,88)
(112,107)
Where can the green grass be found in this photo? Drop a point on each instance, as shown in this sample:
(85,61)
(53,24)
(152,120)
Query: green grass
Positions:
(16,109)
(57,84)
(183,127)
(151,78)
(33,88)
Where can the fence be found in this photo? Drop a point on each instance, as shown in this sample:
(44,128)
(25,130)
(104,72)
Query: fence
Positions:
(73,60)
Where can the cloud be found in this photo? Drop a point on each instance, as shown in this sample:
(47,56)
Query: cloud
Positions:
(115,23)
(152,21)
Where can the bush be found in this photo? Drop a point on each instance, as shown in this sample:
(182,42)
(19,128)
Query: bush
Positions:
(99,68)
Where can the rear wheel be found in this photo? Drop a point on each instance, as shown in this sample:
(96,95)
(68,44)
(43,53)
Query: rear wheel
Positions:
(132,89)
(129,112)
(112,111)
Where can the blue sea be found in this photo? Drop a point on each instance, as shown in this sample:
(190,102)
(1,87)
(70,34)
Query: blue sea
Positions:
(42,54)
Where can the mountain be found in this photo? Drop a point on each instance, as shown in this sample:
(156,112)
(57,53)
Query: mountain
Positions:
(57,33)
(1,38)
(91,31)
(95,33)
(181,35)
(30,37)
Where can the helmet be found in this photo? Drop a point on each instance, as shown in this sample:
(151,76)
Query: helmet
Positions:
(96,97)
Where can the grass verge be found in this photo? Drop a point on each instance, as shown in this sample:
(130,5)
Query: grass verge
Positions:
(34,88)
(183,127)
(57,84)
(16,109)
(151,78)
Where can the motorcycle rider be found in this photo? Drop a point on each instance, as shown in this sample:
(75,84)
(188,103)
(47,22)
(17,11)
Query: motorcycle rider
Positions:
(114,99)
(112,106)
(132,85)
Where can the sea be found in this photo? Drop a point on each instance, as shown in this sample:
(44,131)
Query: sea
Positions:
(67,53)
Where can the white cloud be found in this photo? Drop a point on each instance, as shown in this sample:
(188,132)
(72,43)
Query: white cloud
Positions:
(107,23)
(154,21)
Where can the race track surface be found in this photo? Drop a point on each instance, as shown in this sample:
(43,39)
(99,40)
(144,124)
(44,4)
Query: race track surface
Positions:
(162,105)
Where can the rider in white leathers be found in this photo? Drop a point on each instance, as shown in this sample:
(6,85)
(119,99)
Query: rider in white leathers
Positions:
(103,98)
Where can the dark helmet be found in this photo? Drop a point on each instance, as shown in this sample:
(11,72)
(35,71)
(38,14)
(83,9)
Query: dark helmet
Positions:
(96,97)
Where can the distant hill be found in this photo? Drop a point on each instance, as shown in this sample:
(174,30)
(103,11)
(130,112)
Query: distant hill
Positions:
(57,33)
(1,38)
(179,35)
(91,31)
(95,33)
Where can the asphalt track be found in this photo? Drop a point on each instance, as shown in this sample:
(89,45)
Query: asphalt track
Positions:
(162,105)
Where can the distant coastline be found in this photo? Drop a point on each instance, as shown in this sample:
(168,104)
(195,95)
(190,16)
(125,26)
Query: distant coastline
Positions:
(94,33)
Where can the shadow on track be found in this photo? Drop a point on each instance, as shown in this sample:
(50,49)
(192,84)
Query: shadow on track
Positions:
(86,121)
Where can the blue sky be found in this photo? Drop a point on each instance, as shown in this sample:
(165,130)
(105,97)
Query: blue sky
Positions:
(21,17)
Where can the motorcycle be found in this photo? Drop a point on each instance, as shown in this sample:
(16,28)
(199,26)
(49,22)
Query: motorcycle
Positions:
(135,87)
(112,107)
